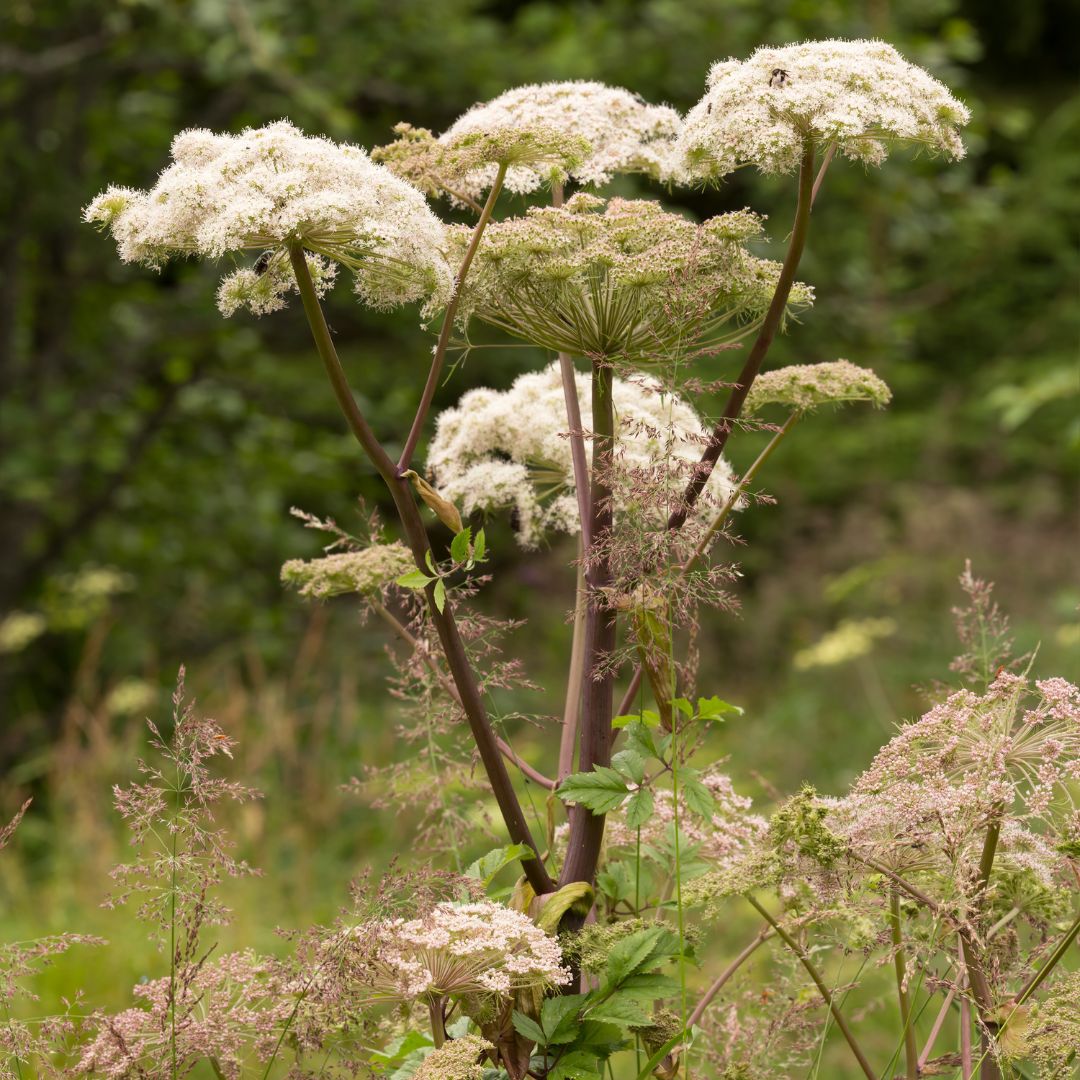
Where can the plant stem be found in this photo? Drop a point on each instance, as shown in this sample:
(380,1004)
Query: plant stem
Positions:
(1052,961)
(418,646)
(721,980)
(586,828)
(453,647)
(438,1022)
(439,357)
(819,982)
(935,1030)
(572,708)
(911,1050)
(762,343)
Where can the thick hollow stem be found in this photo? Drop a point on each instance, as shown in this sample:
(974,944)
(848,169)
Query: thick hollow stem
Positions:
(823,989)
(439,357)
(586,828)
(572,708)
(762,343)
(577,447)
(911,1050)
(445,625)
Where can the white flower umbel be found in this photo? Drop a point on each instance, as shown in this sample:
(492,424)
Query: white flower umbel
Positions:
(475,949)
(806,386)
(366,571)
(268,187)
(509,450)
(623,279)
(547,133)
(861,94)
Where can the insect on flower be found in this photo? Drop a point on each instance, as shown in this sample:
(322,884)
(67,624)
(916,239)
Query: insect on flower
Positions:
(779,78)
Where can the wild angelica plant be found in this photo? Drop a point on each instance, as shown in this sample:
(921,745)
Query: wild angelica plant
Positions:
(954,858)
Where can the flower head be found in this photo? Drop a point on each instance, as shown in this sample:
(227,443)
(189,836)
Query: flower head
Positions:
(509,449)
(365,571)
(806,386)
(268,187)
(456,1059)
(623,279)
(584,131)
(475,950)
(860,94)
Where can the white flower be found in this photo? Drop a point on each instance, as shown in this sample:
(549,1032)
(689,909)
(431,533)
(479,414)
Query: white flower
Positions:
(622,278)
(498,450)
(477,948)
(366,571)
(269,186)
(806,386)
(862,94)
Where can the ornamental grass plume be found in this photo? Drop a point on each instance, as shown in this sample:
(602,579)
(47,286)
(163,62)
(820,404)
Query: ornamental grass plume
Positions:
(270,187)
(546,134)
(620,279)
(804,387)
(509,449)
(860,95)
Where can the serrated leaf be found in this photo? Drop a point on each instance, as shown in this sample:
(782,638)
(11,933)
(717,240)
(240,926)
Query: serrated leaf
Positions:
(641,739)
(459,546)
(639,808)
(629,763)
(649,986)
(479,547)
(439,594)
(414,579)
(713,708)
(650,718)
(577,1065)
(430,561)
(683,706)
(620,1010)
(487,866)
(625,719)
(697,796)
(528,1027)
(559,1018)
(629,956)
(601,790)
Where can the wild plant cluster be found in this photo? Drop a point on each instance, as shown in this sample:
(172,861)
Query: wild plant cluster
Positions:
(951,866)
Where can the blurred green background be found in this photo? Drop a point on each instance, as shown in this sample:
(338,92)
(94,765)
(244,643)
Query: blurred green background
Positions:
(150,450)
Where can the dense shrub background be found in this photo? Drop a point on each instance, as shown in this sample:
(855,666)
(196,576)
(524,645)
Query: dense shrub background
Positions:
(141,432)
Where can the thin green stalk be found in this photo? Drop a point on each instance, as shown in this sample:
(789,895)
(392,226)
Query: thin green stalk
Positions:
(453,647)
(819,982)
(911,1050)
(439,357)
(723,978)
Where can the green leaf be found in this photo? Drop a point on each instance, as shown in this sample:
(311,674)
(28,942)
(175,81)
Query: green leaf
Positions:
(712,708)
(654,1061)
(698,797)
(528,1027)
(401,1048)
(430,562)
(629,763)
(650,718)
(577,1065)
(577,895)
(683,706)
(459,546)
(559,1018)
(639,808)
(439,595)
(641,739)
(600,791)
(479,547)
(620,1010)
(626,719)
(487,866)
(414,579)
(649,986)
(629,956)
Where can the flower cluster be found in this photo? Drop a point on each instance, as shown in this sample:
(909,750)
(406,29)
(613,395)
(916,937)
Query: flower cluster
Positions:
(269,187)
(366,571)
(584,131)
(229,1010)
(803,387)
(622,279)
(456,1059)
(509,449)
(862,95)
(478,949)
(723,840)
